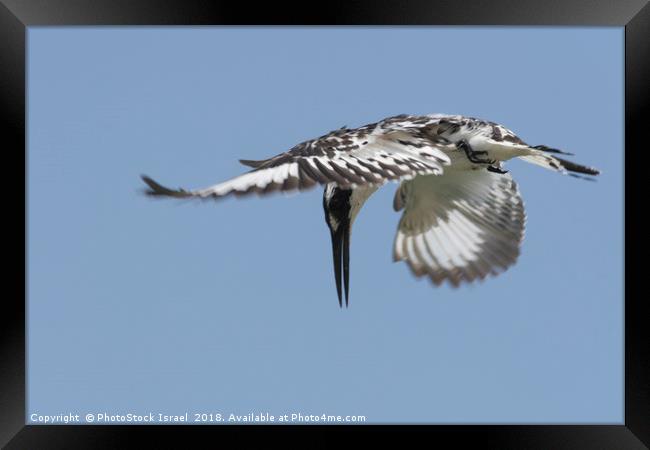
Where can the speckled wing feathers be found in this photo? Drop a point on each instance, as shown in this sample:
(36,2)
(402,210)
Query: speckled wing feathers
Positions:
(396,148)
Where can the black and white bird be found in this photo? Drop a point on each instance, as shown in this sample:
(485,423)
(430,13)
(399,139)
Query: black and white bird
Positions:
(463,217)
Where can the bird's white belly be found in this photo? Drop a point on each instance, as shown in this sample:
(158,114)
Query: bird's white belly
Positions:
(459,161)
(495,151)
(358,198)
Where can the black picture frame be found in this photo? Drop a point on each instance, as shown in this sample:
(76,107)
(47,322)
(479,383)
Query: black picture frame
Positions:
(634,15)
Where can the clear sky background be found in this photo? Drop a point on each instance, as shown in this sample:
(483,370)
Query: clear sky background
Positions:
(137,305)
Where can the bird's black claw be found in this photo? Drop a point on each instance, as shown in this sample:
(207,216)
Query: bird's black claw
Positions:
(471,154)
(496,169)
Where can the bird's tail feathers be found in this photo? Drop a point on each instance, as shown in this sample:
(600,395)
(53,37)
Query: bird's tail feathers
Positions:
(547,149)
(539,156)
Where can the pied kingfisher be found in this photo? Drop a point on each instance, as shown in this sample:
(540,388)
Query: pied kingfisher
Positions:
(463,216)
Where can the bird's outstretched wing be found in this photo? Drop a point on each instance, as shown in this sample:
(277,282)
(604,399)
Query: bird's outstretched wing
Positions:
(460,226)
(369,155)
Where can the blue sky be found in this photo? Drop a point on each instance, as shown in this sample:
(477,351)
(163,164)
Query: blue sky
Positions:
(136,305)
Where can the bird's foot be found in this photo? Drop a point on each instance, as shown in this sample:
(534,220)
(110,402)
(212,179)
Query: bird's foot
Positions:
(472,155)
(496,169)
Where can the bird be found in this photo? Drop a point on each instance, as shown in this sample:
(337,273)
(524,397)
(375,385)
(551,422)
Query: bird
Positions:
(463,216)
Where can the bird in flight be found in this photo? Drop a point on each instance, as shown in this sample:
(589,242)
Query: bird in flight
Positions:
(462,214)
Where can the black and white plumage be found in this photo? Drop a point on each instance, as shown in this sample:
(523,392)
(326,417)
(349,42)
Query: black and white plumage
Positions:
(463,217)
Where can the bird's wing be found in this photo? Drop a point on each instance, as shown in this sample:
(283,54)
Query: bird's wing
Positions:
(460,226)
(369,155)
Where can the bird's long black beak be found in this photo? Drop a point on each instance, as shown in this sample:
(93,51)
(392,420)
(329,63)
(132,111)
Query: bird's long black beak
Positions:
(341,254)
(337,207)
